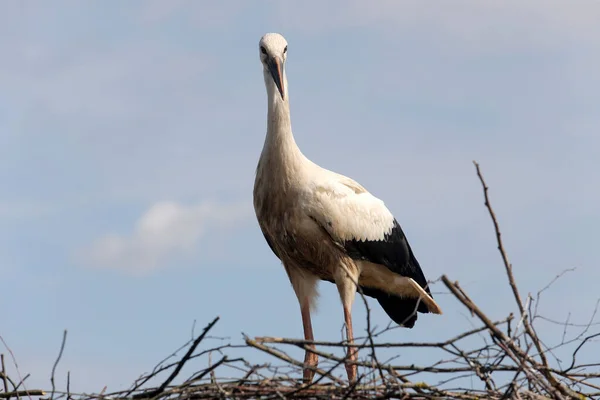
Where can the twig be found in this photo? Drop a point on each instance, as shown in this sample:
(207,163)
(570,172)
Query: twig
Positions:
(301,342)
(507,264)
(4,376)
(161,388)
(579,348)
(62,347)
(14,360)
(21,393)
(68,385)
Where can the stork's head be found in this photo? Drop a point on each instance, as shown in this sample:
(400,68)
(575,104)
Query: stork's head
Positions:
(273,52)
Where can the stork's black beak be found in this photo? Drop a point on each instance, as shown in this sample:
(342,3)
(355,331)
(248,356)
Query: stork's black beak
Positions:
(276,70)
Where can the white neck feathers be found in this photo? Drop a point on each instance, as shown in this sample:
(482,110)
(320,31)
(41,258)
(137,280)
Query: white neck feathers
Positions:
(280,150)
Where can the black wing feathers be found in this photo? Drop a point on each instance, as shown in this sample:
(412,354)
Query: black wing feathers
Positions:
(395,253)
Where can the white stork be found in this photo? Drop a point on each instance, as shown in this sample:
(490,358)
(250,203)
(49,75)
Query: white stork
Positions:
(325,226)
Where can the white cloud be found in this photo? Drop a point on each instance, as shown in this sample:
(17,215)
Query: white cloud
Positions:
(165,232)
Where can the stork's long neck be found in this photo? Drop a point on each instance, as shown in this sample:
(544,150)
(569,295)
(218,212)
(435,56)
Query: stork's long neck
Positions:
(280,149)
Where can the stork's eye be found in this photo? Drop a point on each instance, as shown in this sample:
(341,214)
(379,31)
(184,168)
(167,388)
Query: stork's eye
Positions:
(263,50)
(285,50)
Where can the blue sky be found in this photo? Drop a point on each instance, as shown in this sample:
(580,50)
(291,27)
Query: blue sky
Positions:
(130,132)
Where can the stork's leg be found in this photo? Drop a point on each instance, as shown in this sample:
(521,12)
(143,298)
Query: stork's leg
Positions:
(310,359)
(304,285)
(345,279)
(352,355)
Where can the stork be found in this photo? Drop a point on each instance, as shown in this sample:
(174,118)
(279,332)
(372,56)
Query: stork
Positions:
(325,226)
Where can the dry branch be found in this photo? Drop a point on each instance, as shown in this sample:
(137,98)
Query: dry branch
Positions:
(22,393)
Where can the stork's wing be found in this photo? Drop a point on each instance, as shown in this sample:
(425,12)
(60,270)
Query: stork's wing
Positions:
(363,226)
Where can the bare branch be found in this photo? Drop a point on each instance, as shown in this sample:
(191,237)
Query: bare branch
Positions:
(186,357)
(62,348)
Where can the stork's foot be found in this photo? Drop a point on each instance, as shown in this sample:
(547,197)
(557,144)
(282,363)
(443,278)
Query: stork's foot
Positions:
(311,360)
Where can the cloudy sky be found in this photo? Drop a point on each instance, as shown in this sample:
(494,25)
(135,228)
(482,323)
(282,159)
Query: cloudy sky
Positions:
(130,132)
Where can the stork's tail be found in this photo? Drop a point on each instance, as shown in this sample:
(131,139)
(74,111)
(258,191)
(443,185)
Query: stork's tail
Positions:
(403,310)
